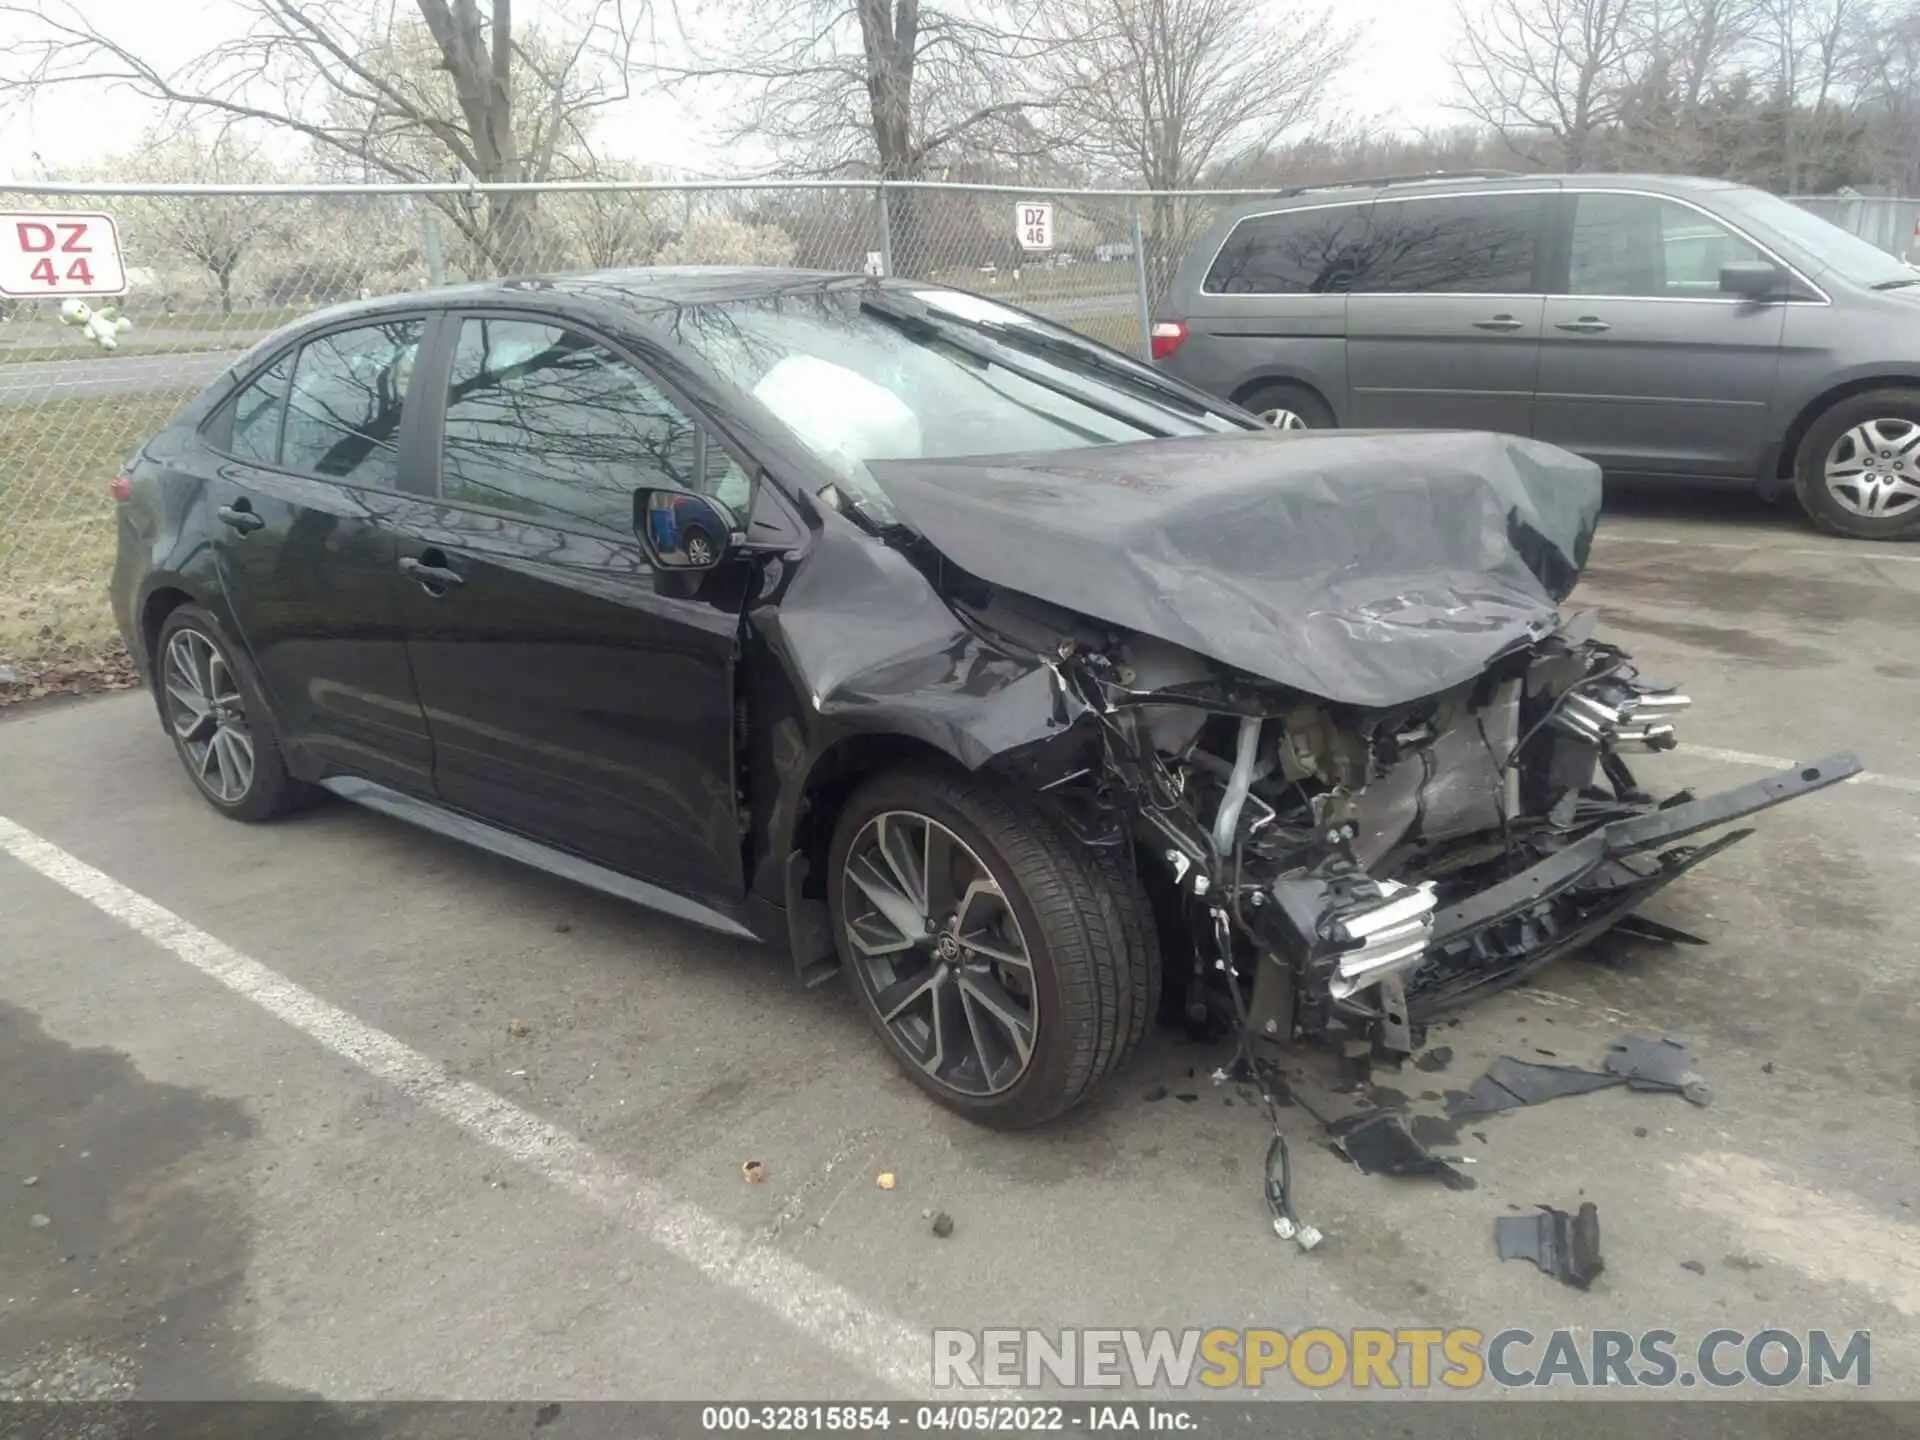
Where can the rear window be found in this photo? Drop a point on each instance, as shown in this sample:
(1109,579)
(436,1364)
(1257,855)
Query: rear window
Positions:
(1459,244)
(1297,252)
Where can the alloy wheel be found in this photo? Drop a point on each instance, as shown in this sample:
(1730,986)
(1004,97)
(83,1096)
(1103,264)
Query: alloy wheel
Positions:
(208,716)
(1281,418)
(1873,470)
(940,953)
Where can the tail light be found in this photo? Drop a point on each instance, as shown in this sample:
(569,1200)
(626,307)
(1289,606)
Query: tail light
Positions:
(122,489)
(1167,336)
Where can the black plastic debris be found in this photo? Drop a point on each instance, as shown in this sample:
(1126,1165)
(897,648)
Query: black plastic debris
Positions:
(1379,1143)
(1664,1064)
(1564,1246)
(1510,1083)
(1639,927)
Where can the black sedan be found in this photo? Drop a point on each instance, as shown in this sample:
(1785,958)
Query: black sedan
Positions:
(927,639)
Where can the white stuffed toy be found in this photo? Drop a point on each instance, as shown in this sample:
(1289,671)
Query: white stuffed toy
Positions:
(104,326)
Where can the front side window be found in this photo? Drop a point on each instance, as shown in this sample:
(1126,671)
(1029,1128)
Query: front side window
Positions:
(543,422)
(1644,246)
(344,406)
(1454,244)
(1299,252)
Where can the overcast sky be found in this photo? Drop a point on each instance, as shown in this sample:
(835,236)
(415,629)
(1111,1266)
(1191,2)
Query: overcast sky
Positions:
(1398,79)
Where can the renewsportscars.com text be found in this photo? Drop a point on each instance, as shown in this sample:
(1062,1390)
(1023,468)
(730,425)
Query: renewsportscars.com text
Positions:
(1412,1359)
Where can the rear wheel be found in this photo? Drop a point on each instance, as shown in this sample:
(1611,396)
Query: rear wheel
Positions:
(1008,968)
(1858,468)
(1289,407)
(213,710)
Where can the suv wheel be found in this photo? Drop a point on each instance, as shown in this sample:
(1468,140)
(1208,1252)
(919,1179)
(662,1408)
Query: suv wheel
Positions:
(1289,407)
(1858,470)
(1008,968)
(211,705)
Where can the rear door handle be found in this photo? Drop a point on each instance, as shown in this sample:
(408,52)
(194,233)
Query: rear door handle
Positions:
(1585,325)
(434,579)
(241,517)
(1499,322)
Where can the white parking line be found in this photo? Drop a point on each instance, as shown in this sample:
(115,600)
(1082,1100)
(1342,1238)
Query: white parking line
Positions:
(836,1318)
(1778,762)
(1628,537)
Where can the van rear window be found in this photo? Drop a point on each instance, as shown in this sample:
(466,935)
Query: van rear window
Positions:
(1314,251)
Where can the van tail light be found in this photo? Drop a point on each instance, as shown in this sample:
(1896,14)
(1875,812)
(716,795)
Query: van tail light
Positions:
(122,489)
(1167,336)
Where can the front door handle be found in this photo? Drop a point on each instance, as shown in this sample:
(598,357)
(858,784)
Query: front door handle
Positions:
(1585,325)
(241,517)
(434,579)
(1499,322)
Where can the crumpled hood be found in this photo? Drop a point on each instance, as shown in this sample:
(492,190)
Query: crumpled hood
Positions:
(1370,568)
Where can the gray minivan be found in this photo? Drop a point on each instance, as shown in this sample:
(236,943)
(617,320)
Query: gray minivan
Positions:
(1668,328)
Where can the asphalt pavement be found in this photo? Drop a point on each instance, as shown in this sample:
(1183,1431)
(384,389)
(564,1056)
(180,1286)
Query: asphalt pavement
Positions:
(335,1108)
(39,381)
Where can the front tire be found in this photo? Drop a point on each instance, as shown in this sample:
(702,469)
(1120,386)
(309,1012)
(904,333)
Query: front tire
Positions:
(212,707)
(1857,471)
(1008,968)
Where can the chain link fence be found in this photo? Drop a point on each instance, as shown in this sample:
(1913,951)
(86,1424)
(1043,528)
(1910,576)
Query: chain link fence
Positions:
(213,269)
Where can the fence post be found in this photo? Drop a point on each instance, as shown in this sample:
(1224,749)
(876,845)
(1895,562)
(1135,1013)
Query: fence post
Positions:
(430,245)
(886,231)
(1140,280)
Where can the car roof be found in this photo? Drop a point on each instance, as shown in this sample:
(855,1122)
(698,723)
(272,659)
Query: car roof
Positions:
(1360,192)
(639,291)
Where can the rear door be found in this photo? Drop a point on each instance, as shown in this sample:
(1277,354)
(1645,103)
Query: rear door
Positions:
(1646,365)
(1443,327)
(570,697)
(306,496)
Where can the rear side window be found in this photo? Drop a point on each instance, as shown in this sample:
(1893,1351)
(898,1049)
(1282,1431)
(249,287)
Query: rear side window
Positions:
(1454,244)
(1643,246)
(543,422)
(343,409)
(1298,252)
(257,412)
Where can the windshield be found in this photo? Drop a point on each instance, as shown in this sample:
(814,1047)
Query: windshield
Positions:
(864,374)
(1841,251)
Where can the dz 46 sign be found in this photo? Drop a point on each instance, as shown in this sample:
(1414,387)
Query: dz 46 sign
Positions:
(1035,220)
(48,253)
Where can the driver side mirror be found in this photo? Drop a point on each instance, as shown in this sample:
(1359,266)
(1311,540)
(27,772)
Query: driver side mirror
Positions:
(1752,279)
(682,530)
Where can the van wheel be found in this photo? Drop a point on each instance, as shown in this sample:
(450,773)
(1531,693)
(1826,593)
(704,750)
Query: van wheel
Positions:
(1858,468)
(1009,968)
(1289,407)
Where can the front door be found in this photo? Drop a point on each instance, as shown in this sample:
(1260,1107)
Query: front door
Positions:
(1645,365)
(1443,326)
(570,697)
(306,550)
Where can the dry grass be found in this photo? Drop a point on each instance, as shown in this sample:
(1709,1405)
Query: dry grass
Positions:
(57,462)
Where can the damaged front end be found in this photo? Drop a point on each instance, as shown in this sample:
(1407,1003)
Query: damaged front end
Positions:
(1347,874)
(1326,687)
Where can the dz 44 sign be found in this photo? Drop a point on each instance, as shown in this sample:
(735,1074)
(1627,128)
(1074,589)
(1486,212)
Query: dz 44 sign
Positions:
(49,253)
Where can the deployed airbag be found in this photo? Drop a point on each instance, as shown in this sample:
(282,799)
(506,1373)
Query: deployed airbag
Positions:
(1370,568)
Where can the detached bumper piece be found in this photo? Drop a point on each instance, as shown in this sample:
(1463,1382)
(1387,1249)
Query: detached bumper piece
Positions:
(1506,931)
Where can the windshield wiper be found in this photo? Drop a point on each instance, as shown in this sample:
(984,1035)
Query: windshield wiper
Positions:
(1025,337)
(987,345)
(1899,282)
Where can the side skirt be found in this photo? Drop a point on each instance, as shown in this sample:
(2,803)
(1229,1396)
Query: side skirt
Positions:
(464,828)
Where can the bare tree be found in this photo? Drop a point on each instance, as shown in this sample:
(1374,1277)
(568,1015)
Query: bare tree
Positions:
(1550,75)
(1887,48)
(1162,92)
(886,89)
(477,97)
